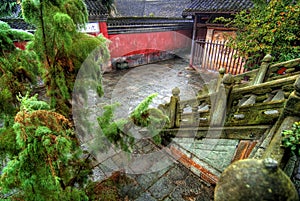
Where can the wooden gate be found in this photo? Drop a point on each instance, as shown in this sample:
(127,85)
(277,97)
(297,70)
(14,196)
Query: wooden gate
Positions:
(213,55)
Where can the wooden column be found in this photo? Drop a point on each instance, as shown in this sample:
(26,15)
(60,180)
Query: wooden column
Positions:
(103,28)
(193,41)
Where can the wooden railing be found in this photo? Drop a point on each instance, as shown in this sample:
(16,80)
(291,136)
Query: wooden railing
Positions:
(213,55)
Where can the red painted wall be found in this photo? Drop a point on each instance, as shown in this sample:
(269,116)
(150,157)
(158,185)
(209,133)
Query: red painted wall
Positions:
(140,43)
(20,44)
(103,29)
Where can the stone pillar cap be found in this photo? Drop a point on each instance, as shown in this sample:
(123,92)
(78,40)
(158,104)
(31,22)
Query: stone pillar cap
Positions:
(253,180)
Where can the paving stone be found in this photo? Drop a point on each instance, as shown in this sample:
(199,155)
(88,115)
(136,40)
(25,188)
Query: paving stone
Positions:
(98,174)
(162,188)
(145,180)
(151,163)
(132,191)
(169,183)
(178,173)
(177,194)
(146,197)
(183,148)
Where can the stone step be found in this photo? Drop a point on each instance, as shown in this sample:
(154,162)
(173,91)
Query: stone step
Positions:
(214,154)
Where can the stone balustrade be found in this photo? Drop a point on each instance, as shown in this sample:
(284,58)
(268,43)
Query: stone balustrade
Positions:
(252,98)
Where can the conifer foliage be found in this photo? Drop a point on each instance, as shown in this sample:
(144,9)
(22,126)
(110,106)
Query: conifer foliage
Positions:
(41,153)
(18,70)
(47,161)
(61,47)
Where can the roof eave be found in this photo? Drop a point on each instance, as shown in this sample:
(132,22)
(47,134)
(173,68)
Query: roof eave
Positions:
(193,13)
(101,18)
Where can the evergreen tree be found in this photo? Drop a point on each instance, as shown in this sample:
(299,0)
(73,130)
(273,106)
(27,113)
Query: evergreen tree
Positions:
(271,27)
(18,70)
(61,47)
(45,159)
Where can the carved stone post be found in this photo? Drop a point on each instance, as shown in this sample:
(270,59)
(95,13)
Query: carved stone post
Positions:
(220,78)
(220,101)
(263,69)
(195,113)
(175,115)
(292,106)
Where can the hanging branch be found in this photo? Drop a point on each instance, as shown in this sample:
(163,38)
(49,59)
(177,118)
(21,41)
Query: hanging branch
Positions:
(44,34)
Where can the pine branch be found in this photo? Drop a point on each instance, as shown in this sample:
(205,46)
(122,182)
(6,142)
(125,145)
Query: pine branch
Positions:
(75,178)
(44,34)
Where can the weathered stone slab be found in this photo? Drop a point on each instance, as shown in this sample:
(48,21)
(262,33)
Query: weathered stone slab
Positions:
(217,153)
(162,188)
(146,197)
(234,132)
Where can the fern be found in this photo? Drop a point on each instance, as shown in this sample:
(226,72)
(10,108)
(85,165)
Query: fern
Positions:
(114,130)
(153,119)
(139,115)
(30,104)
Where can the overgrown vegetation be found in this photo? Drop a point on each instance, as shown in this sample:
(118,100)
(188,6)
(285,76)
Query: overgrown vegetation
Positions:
(109,189)
(40,154)
(117,131)
(271,27)
(153,119)
(291,139)
(18,71)
(44,161)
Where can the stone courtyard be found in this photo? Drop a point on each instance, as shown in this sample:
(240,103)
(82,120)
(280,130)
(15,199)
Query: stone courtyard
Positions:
(189,165)
(154,172)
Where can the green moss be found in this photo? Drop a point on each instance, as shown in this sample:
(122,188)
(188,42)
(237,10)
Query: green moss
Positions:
(252,179)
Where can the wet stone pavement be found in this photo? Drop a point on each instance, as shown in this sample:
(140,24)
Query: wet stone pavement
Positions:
(130,86)
(174,182)
(154,173)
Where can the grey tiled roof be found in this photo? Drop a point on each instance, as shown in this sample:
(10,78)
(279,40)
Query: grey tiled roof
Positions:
(18,23)
(95,9)
(157,8)
(217,6)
